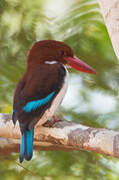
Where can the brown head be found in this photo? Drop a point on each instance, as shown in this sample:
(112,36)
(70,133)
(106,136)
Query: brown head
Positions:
(51,50)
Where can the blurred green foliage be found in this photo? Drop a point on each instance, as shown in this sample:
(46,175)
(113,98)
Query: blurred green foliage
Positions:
(96,102)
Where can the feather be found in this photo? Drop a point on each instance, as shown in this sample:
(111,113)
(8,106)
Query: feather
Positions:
(33,105)
(26,150)
(13,116)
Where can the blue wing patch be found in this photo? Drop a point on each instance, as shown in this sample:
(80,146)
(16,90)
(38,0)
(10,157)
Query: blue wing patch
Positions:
(13,116)
(33,105)
(13,113)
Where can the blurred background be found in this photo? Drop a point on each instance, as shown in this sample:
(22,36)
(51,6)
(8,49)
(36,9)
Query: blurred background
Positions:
(91,100)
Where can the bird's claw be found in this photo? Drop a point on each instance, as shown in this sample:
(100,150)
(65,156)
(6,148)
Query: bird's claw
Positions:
(50,123)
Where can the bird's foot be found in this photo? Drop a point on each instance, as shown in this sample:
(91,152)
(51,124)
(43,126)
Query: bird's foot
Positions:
(50,123)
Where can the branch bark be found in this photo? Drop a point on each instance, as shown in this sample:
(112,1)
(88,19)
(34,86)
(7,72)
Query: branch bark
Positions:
(110,12)
(62,135)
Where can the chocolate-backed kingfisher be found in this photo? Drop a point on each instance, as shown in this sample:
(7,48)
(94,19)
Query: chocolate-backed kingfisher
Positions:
(42,88)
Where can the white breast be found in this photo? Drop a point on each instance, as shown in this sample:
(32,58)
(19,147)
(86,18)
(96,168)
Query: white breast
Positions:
(56,102)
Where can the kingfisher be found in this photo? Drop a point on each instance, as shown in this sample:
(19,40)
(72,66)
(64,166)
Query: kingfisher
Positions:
(42,88)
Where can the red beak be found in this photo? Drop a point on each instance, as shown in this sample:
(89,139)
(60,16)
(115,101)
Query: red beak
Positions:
(79,65)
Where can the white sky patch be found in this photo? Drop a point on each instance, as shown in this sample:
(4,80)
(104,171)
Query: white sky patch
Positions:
(113,165)
(71,98)
(102,103)
(82,107)
(112,122)
(98,102)
(57,7)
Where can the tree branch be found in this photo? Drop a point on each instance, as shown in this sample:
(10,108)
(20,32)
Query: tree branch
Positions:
(62,135)
(110,12)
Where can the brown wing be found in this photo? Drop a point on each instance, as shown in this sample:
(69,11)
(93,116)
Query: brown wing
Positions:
(37,84)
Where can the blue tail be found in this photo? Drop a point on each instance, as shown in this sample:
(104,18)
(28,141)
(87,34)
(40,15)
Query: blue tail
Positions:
(26,150)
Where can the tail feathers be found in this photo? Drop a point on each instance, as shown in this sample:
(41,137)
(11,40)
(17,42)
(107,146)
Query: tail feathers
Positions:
(22,148)
(26,150)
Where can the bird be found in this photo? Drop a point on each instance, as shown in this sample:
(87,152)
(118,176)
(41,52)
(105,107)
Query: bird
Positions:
(42,88)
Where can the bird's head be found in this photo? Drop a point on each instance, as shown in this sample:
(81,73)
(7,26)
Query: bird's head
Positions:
(51,51)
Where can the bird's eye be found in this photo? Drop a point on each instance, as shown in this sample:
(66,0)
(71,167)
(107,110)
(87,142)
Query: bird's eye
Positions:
(62,52)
